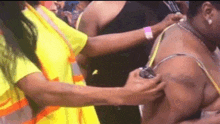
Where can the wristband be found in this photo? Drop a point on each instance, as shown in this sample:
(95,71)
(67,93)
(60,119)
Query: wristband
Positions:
(148,33)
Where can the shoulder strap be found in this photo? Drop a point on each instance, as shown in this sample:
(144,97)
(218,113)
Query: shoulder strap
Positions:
(78,20)
(200,63)
(156,47)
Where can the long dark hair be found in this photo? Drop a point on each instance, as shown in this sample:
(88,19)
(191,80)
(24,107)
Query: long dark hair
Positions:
(23,30)
(20,36)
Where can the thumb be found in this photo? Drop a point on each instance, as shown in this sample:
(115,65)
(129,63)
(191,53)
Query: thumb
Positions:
(177,17)
(156,79)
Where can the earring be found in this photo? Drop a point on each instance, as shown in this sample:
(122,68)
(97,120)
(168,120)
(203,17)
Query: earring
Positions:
(209,21)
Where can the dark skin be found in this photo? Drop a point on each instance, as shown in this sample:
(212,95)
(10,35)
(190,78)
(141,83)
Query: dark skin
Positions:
(188,89)
(49,93)
(136,90)
(98,14)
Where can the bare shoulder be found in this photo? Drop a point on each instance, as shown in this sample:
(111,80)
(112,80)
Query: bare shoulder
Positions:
(102,12)
(97,8)
(184,70)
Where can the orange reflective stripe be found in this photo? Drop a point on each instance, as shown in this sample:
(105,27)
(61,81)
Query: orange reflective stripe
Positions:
(78,78)
(56,79)
(14,107)
(44,70)
(72,58)
(5,102)
(80,115)
(42,114)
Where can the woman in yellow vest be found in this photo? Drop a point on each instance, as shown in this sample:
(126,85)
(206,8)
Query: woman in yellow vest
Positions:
(40,79)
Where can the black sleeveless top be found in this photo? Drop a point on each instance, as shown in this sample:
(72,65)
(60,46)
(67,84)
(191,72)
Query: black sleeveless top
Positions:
(113,69)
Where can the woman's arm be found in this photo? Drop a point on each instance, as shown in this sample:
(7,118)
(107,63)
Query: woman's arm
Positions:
(111,43)
(43,92)
(98,14)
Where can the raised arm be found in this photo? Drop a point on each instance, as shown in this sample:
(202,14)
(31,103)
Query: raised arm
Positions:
(100,13)
(184,89)
(111,43)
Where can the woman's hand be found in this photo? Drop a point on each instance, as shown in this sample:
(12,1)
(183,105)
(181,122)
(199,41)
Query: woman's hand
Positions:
(171,19)
(139,90)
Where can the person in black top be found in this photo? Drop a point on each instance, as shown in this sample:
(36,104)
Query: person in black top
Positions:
(107,17)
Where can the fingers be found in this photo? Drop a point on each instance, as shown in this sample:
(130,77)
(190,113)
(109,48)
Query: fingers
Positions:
(153,81)
(159,87)
(156,79)
(134,73)
(177,16)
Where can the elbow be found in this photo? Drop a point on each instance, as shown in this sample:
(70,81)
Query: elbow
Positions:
(91,48)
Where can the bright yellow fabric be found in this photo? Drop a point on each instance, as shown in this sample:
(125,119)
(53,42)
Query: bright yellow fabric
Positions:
(53,52)
(77,39)
(24,67)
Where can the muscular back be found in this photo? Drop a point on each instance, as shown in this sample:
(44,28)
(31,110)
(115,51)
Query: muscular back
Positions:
(188,89)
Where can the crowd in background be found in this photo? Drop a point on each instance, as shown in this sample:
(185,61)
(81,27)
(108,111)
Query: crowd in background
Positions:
(68,11)
(79,62)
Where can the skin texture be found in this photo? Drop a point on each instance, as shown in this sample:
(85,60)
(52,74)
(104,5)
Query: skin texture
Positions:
(136,90)
(97,15)
(188,90)
(47,93)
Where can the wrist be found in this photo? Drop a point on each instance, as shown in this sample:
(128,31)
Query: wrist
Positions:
(117,97)
(158,28)
(148,33)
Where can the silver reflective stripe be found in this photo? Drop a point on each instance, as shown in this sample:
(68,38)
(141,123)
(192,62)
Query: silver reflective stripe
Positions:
(75,69)
(49,21)
(18,117)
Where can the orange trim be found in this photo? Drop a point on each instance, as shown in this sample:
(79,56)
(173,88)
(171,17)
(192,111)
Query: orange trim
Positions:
(42,114)
(5,102)
(78,78)
(56,79)
(80,115)
(72,57)
(18,105)
(44,71)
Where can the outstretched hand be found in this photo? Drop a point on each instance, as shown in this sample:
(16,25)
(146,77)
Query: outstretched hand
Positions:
(140,90)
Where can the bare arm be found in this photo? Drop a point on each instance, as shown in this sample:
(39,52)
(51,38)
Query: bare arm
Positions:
(46,93)
(111,43)
(96,16)
(184,89)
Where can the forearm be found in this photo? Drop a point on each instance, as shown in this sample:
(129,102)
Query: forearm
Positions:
(72,95)
(111,43)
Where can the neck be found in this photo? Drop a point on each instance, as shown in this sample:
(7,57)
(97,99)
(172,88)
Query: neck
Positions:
(211,44)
